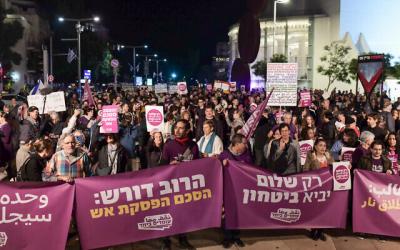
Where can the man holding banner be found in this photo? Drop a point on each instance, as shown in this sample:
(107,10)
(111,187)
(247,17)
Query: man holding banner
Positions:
(68,163)
(181,149)
(237,151)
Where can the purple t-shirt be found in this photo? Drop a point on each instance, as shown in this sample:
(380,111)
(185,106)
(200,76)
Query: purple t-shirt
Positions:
(245,157)
(173,150)
(377,165)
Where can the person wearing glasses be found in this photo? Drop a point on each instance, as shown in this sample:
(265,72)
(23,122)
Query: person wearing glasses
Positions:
(69,163)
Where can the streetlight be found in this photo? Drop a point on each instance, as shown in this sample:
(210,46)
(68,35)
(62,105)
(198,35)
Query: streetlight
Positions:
(79,30)
(146,62)
(173,75)
(273,38)
(133,56)
(157,61)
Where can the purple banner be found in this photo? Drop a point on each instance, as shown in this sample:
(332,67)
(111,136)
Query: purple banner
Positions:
(149,204)
(376,203)
(258,199)
(35,215)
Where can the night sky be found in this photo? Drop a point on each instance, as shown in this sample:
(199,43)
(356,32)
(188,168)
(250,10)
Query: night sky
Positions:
(176,29)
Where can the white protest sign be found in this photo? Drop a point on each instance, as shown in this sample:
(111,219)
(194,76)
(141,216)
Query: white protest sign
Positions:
(182,88)
(233,86)
(305,147)
(283,78)
(347,154)
(217,85)
(54,102)
(161,88)
(226,86)
(154,118)
(341,176)
(172,89)
(339,126)
(37,101)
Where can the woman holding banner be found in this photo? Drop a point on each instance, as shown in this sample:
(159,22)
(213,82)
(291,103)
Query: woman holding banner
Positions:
(316,159)
(154,150)
(319,157)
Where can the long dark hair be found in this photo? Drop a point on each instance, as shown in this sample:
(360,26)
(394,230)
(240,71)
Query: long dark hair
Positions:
(152,145)
(397,146)
(353,141)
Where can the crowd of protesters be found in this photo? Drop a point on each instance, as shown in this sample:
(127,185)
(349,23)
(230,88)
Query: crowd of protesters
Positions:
(68,145)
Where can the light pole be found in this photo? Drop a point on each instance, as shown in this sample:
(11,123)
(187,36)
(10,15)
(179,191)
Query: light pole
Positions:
(157,61)
(79,29)
(273,38)
(134,57)
(146,62)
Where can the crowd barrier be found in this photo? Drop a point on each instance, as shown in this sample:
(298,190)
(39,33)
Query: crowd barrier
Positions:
(171,200)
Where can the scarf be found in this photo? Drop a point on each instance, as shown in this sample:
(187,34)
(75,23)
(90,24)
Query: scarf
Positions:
(210,143)
(183,140)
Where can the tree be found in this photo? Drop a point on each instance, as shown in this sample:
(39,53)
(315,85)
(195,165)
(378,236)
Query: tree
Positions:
(10,33)
(278,58)
(105,71)
(396,70)
(353,68)
(260,69)
(335,64)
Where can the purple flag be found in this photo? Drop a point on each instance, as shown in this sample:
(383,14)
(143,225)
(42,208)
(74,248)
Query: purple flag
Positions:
(149,204)
(258,199)
(35,215)
(87,94)
(376,203)
(251,124)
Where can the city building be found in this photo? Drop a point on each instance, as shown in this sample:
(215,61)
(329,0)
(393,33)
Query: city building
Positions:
(302,30)
(36,30)
(220,62)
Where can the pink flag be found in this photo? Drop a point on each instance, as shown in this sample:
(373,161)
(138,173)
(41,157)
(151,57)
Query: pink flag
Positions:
(87,94)
(251,124)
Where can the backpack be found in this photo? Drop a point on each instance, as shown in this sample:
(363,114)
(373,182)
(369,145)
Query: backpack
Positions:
(22,168)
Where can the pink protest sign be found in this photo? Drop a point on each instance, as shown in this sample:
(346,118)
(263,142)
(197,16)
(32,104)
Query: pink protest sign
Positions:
(394,159)
(305,147)
(341,176)
(305,99)
(154,118)
(182,88)
(109,119)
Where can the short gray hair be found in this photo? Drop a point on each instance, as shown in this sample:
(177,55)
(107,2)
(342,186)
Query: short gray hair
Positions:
(365,135)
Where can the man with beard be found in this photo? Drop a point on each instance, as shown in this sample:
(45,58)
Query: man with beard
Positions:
(69,163)
(182,148)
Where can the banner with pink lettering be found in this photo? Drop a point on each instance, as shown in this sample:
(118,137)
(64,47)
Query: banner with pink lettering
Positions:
(376,203)
(149,204)
(258,199)
(35,215)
